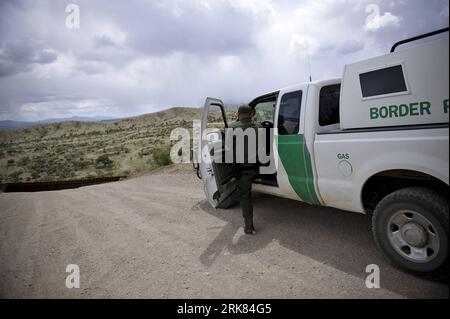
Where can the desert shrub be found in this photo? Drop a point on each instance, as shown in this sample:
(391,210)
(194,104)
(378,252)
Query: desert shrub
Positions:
(35,175)
(144,152)
(103,161)
(80,164)
(161,156)
(92,175)
(15,176)
(24,161)
(65,173)
(125,173)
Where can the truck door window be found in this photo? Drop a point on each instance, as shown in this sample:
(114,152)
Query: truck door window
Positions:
(264,111)
(289,113)
(215,118)
(329,105)
(384,81)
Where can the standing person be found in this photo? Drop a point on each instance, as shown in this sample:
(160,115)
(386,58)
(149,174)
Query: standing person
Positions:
(246,171)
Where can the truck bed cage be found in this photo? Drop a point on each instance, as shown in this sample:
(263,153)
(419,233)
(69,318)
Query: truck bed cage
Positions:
(418,37)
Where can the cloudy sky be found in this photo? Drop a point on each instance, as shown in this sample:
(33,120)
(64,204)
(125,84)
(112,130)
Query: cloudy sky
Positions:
(139,56)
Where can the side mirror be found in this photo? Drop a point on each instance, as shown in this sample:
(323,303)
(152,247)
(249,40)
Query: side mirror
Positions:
(213,137)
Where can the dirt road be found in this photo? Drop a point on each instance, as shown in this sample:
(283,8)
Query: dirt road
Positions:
(157,237)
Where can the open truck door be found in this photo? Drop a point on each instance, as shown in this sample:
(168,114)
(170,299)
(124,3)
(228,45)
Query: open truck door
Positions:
(218,178)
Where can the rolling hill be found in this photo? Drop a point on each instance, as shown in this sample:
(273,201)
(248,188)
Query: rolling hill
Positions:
(9,125)
(76,149)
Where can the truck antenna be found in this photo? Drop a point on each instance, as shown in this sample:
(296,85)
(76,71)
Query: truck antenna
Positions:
(307,52)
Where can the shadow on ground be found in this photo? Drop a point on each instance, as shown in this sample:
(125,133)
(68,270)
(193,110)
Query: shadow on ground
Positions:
(342,240)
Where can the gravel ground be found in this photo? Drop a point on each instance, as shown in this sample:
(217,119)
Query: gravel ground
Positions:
(156,237)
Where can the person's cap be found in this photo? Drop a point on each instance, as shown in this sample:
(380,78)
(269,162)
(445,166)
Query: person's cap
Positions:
(245,109)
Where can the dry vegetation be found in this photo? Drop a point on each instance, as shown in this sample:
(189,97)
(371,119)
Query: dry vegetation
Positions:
(72,150)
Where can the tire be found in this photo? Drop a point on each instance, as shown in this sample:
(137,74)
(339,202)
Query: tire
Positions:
(411,229)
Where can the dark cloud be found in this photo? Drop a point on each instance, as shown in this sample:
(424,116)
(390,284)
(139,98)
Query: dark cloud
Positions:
(139,56)
(349,46)
(104,41)
(342,47)
(22,55)
(218,28)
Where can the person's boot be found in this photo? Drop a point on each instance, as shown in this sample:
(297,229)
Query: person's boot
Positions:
(249,230)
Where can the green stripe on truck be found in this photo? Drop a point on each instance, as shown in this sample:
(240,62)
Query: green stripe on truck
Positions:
(296,161)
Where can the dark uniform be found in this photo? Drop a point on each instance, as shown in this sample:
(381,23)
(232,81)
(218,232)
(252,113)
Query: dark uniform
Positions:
(245,172)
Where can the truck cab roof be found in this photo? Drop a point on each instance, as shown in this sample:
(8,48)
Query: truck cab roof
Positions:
(295,87)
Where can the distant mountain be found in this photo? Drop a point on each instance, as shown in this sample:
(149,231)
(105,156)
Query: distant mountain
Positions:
(14,125)
(78,119)
(70,149)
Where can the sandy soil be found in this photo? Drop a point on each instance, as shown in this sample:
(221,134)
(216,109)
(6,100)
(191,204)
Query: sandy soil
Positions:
(156,237)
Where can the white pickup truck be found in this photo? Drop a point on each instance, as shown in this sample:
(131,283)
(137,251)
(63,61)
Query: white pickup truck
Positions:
(375,141)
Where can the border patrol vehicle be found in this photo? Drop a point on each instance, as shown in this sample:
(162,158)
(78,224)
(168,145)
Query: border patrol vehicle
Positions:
(374,142)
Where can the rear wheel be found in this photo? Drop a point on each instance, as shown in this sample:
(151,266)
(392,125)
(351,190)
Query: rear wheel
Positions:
(410,227)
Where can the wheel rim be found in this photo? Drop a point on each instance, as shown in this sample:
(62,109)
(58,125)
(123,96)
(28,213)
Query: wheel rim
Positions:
(413,236)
